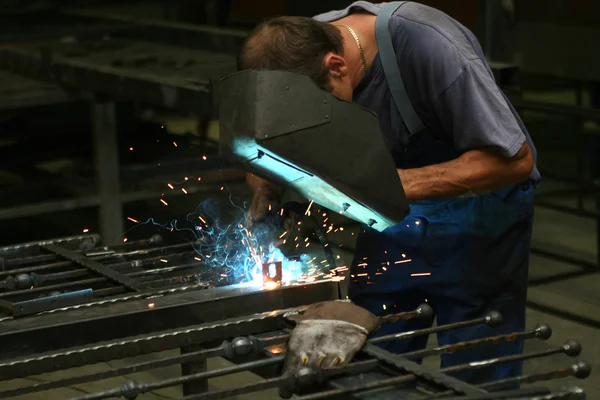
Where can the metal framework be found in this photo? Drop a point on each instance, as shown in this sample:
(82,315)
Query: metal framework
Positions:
(256,343)
(76,292)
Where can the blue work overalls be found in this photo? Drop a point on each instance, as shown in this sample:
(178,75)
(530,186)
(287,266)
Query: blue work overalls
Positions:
(464,256)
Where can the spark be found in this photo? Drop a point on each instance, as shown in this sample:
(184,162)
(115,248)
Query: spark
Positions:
(133,220)
(124,240)
(402,261)
(384,268)
(403,255)
(131,149)
(282,235)
(306,240)
(204,158)
(162,127)
(163,260)
(150,305)
(224,275)
(421,274)
(362,265)
(338,256)
(365,274)
(202,219)
(384,307)
(197,259)
(307,212)
(199,179)
(307,244)
(86,230)
(417,222)
(281,212)
(341,228)
(222,187)
(184,191)
(164,202)
(325,220)
(175,144)
(185,178)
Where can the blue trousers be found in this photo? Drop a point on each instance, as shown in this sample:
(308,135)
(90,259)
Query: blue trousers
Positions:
(465,257)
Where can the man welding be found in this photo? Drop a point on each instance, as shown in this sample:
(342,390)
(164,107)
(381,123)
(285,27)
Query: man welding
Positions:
(464,157)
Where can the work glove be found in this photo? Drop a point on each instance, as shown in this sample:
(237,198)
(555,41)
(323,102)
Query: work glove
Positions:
(327,335)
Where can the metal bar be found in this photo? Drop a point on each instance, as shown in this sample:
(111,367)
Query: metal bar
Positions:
(132,389)
(71,239)
(60,286)
(436,377)
(194,97)
(139,313)
(580,370)
(510,394)
(98,268)
(175,33)
(35,306)
(571,348)
(47,207)
(492,319)
(224,350)
(542,331)
(104,135)
(380,384)
(249,388)
(118,349)
(27,270)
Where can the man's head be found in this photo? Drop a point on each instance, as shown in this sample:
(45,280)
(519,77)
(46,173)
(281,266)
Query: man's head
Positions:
(300,44)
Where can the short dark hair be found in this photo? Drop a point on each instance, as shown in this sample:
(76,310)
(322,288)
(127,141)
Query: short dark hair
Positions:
(292,43)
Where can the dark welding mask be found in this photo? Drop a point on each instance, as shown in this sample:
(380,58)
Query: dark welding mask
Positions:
(279,125)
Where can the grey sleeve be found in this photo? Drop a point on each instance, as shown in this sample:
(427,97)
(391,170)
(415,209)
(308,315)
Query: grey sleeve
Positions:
(474,111)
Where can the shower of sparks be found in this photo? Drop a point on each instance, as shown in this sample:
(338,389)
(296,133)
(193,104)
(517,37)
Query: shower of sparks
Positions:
(421,274)
(403,261)
(237,255)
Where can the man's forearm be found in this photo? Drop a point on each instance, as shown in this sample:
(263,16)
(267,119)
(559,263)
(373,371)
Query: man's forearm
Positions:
(478,171)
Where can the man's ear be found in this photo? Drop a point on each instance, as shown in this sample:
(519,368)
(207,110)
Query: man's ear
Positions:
(336,65)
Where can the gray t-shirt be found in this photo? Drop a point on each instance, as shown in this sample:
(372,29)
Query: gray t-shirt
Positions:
(450,86)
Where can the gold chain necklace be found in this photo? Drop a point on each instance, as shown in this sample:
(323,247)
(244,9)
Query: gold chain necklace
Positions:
(360,49)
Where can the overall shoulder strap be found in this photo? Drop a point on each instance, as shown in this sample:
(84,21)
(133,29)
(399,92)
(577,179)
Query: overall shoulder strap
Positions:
(391,69)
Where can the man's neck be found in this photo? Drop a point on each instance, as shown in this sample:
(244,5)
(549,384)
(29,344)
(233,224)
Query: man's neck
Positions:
(364,26)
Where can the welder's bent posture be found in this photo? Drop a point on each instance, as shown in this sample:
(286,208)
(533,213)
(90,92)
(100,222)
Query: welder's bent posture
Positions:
(464,157)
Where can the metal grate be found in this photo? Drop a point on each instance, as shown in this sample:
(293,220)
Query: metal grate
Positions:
(49,275)
(257,343)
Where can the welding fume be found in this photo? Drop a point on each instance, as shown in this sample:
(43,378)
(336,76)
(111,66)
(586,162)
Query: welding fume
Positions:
(389,114)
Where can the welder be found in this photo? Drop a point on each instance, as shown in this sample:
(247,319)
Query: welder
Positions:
(464,157)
